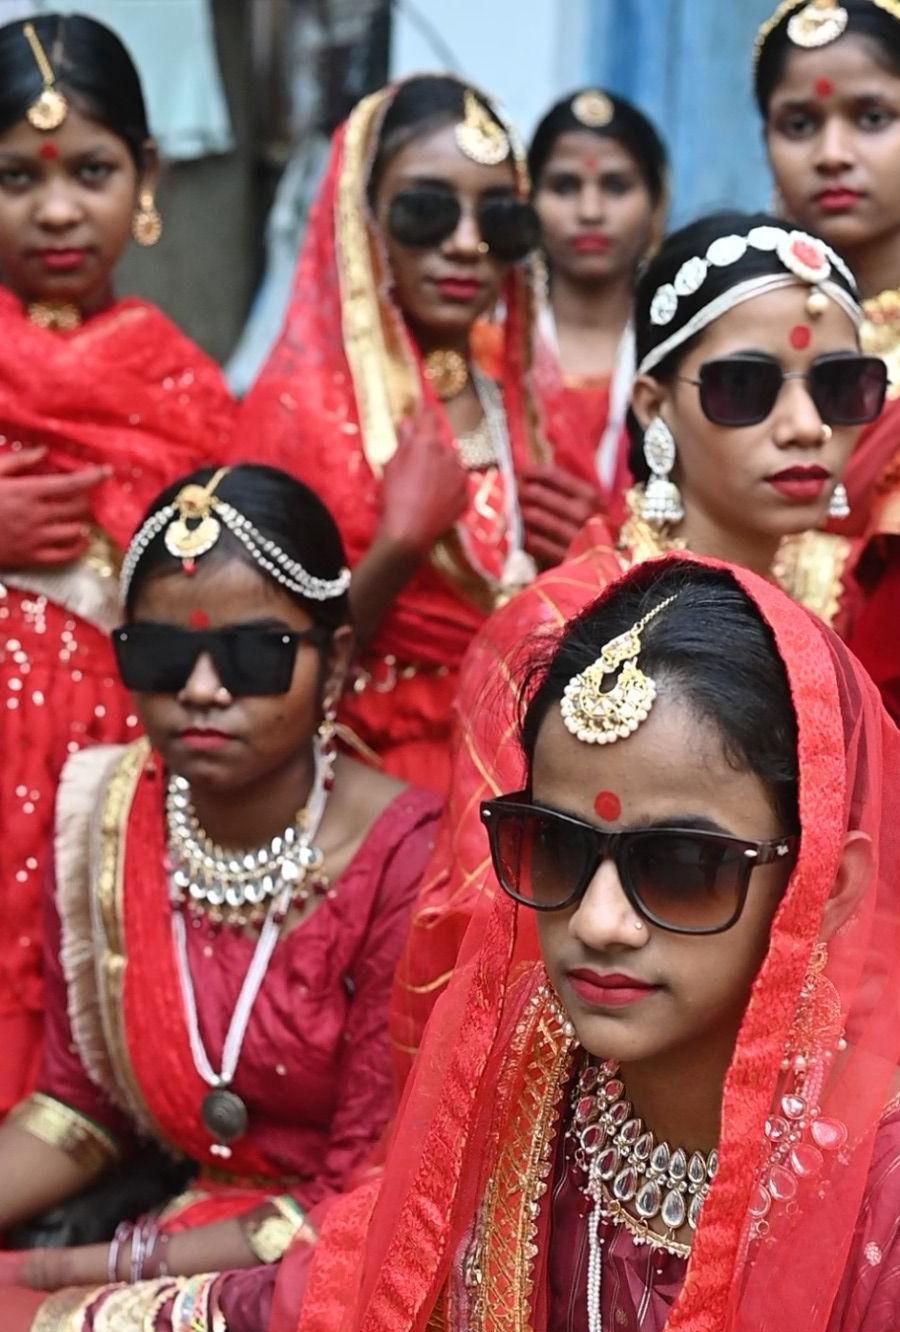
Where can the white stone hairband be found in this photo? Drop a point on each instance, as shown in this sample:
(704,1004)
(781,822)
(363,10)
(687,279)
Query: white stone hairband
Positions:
(192,526)
(804,257)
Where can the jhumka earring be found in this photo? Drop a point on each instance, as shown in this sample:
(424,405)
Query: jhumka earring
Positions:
(799,1135)
(839,506)
(147,223)
(327,735)
(600,716)
(661,500)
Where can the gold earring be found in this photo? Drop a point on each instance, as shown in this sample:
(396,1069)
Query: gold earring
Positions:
(147,224)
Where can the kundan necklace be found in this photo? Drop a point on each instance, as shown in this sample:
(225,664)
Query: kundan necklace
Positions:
(223,1112)
(628,1177)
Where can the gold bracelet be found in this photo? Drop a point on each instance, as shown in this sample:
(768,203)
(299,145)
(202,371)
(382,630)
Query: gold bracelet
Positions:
(58,1125)
(272,1235)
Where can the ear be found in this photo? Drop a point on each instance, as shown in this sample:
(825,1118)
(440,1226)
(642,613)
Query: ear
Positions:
(342,645)
(148,178)
(647,397)
(854,873)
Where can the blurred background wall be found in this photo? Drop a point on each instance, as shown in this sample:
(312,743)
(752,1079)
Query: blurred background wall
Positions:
(244,93)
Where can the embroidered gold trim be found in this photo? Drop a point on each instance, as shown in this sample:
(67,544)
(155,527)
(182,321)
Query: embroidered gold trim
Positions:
(500,1265)
(89,587)
(879,334)
(270,1236)
(130,1308)
(58,1125)
(810,568)
(63,1310)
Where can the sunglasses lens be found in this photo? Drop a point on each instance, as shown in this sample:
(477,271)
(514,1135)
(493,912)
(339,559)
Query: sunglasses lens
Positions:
(690,881)
(738,391)
(154,658)
(252,662)
(849,390)
(538,858)
(510,227)
(422,218)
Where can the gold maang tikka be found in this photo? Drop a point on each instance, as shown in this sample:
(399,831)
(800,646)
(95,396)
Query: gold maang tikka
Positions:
(195,529)
(601,716)
(817,24)
(592,108)
(51,108)
(479,136)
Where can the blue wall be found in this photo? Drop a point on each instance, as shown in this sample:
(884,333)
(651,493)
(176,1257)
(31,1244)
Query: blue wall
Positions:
(687,64)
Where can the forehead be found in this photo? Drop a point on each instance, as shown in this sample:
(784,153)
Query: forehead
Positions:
(764,324)
(229,590)
(854,65)
(436,156)
(575,148)
(77,134)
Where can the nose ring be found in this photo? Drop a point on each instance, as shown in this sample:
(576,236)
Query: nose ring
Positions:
(638,924)
(222,695)
(827,432)
(483,247)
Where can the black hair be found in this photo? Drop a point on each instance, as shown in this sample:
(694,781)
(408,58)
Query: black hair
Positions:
(864,19)
(689,242)
(628,127)
(92,68)
(420,106)
(711,647)
(283,510)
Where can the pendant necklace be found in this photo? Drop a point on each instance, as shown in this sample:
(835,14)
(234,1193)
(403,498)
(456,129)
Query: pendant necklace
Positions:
(223,1112)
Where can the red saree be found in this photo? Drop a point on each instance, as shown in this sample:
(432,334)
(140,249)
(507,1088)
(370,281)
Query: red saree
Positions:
(486,757)
(460,1233)
(327,407)
(130,391)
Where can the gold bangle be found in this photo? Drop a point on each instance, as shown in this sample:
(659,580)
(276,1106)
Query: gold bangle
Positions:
(272,1235)
(58,1125)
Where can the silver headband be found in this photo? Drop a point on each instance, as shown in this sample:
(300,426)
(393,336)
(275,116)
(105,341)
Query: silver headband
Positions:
(805,258)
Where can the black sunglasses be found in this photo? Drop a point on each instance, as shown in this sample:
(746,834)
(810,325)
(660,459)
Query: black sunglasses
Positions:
(250,659)
(742,390)
(422,217)
(683,880)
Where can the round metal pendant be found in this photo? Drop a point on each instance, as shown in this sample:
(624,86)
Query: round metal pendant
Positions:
(224,1114)
(49,111)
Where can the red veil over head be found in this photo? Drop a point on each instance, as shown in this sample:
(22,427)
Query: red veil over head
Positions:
(383,1260)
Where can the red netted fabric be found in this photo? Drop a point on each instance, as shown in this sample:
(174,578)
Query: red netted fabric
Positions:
(344,376)
(471,1106)
(129,391)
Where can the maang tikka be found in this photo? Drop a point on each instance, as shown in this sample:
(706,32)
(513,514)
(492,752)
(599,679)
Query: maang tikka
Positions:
(478,135)
(49,110)
(599,716)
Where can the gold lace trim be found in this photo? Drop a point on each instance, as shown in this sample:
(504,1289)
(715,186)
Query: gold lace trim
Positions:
(63,1311)
(58,1125)
(879,333)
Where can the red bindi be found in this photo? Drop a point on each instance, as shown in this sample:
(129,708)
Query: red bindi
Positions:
(800,336)
(50,151)
(608,806)
(823,86)
(198,619)
(591,163)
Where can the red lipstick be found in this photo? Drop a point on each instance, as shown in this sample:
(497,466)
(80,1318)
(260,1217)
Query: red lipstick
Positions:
(593,242)
(613,990)
(204,738)
(801,484)
(62,261)
(838,199)
(464,290)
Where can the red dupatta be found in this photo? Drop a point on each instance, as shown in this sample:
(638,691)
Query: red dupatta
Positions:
(494,1037)
(127,390)
(345,374)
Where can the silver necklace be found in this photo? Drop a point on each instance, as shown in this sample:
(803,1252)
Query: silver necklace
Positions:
(223,1112)
(623,1167)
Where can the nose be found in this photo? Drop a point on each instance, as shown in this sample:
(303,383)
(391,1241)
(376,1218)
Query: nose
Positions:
(604,917)
(203,688)
(834,147)
(590,202)
(797,418)
(58,208)
(465,241)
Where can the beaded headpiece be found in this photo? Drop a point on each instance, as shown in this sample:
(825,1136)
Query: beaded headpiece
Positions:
(192,525)
(51,108)
(592,108)
(601,716)
(803,257)
(816,23)
(479,136)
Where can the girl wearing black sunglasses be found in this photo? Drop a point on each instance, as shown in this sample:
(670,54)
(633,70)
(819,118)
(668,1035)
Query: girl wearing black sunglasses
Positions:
(677,1106)
(832,123)
(599,174)
(389,397)
(238,926)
